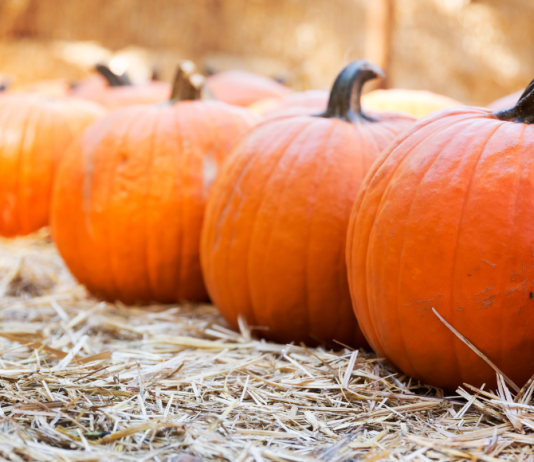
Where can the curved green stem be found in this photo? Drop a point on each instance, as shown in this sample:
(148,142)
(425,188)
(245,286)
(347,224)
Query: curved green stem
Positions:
(344,102)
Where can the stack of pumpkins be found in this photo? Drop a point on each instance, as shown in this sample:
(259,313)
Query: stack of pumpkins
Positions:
(190,199)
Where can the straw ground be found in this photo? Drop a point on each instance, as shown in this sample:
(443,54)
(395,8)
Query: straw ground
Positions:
(82,380)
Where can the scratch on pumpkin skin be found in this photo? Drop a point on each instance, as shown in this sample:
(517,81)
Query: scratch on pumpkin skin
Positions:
(485,290)
(424,301)
(489,263)
(487,301)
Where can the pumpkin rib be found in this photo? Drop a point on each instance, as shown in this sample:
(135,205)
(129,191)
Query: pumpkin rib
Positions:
(28,157)
(146,240)
(499,358)
(261,205)
(402,245)
(178,130)
(236,187)
(185,167)
(306,259)
(266,243)
(455,343)
(19,153)
(154,261)
(385,156)
(110,220)
(514,215)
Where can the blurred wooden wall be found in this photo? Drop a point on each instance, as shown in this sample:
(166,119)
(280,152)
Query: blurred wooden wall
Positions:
(472,50)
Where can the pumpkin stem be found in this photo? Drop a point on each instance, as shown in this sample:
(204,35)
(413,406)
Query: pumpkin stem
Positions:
(344,102)
(187,86)
(523,111)
(113,79)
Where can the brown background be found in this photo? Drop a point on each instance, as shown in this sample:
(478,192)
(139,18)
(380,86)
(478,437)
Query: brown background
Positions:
(474,51)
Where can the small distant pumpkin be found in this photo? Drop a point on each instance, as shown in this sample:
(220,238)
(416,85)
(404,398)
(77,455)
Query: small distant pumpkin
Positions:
(444,222)
(418,103)
(243,88)
(297,103)
(35,132)
(129,197)
(52,88)
(116,91)
(273,239)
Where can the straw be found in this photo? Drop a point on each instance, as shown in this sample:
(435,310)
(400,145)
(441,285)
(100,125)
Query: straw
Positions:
(176,384)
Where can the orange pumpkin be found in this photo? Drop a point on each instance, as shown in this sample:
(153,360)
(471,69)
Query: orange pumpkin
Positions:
(505,102)
(35,132)
(242,88)
(53,88)
(415,102)
(444,221)
(114,91)
(273,240)
(129,197)
(297,103)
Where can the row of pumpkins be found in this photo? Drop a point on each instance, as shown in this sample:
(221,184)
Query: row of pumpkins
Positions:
(437,210)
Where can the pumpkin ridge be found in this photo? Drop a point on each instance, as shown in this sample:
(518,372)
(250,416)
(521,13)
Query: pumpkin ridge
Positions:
(88,170)
(378,211)
(261,204)
(364,188)
(30,129)
(325,151)
(109,220)
(227,168)
(438,155)
(150,161)
(379,206)
(457,345)
(499,357)
(179,169)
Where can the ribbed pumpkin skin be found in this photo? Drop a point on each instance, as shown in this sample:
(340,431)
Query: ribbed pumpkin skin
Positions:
(418,103)
(35,132)
(273,239)
(129,198)
(444,221)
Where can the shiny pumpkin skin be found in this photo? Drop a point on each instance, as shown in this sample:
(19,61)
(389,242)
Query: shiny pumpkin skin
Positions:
(443,221)
(129,198)
(418,103)
(243,88)
(35,133)
(273,240)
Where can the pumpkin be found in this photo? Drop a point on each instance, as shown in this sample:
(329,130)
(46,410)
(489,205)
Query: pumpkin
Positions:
(242,88)
(273,240)
(129,197)
(506,101)
(114,91)
(53,88)
(416,102)
(297,103)
(35,132)
(443,221)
